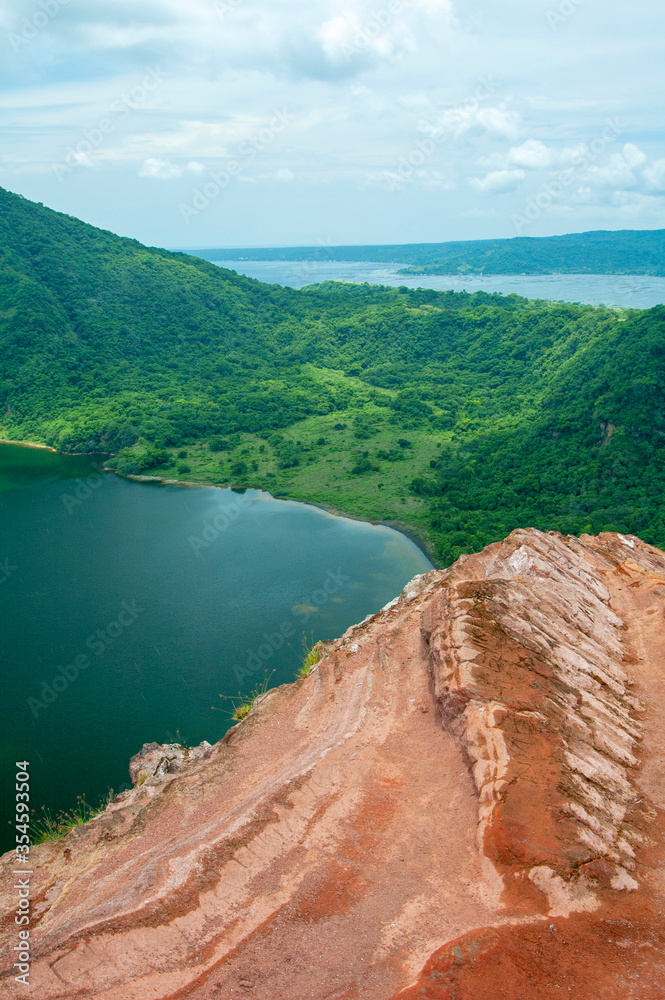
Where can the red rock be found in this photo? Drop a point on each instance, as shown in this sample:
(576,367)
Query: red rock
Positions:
(463,800)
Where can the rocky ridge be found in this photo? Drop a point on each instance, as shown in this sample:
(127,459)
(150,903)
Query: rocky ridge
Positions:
(464,798)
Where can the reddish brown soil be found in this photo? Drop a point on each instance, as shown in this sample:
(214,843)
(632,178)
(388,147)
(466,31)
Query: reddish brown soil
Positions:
(616,954)
(463,801)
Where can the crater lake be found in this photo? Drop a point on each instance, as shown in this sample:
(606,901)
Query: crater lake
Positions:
(136,612)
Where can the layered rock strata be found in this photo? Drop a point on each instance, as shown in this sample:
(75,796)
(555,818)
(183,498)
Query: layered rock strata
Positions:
(463,799)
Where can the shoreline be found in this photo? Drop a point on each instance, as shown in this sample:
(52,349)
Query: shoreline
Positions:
(523,274)
(31,444)
(403,529)
(414,537)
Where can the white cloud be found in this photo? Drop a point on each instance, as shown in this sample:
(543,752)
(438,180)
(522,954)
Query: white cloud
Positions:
(498,181)
(302,38)
(616,174)
(347,37)
(367,84)
(469,114)
(625,172)
(499,122)
(160,170)
(625,181)
(365,34)
(633,156)
(164,170)
(654,176)
(532,154)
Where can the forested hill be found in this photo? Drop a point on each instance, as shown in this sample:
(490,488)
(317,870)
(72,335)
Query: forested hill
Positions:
(461,416)
(624,252)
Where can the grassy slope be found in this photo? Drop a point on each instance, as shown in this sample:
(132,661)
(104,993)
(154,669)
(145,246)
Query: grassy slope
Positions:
(324,475)
(509,412)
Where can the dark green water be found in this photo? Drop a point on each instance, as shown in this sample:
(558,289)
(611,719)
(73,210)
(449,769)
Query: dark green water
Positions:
(127,608)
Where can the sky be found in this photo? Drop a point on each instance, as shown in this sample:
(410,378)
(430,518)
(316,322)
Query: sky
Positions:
(247,123)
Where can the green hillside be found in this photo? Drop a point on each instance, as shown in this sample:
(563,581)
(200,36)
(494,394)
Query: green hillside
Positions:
(626,251)
(459,416)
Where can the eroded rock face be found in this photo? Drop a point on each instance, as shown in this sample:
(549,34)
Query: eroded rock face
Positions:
(463,800)
(154,760)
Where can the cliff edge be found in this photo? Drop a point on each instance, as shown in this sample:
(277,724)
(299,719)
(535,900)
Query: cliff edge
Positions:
(464,799)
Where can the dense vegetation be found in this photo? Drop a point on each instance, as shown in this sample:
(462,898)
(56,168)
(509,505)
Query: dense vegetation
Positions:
(461,416)
(624,252)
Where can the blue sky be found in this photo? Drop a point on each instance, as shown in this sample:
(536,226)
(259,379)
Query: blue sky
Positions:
(282,122)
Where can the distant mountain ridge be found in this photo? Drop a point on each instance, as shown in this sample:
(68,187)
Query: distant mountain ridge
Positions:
(626,251)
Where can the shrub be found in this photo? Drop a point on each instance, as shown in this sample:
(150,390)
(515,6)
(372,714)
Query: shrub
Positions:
(288,455)
(363,465)
(220,444)
(364,428)
(390,456)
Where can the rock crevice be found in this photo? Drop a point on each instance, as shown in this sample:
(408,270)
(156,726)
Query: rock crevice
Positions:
(526,664)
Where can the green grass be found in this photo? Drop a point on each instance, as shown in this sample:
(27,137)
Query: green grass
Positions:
(242,704)
(48,827)
(242,711)
(323,475)
(311,656)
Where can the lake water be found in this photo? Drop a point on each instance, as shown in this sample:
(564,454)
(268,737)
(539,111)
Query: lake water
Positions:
(127,608)
(630,291)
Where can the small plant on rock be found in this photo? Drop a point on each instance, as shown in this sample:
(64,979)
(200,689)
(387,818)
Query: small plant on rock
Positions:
(48,827)
(243,704)
(311,656)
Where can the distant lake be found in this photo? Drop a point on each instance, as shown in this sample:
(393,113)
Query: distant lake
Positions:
(630,291)
(127,608)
